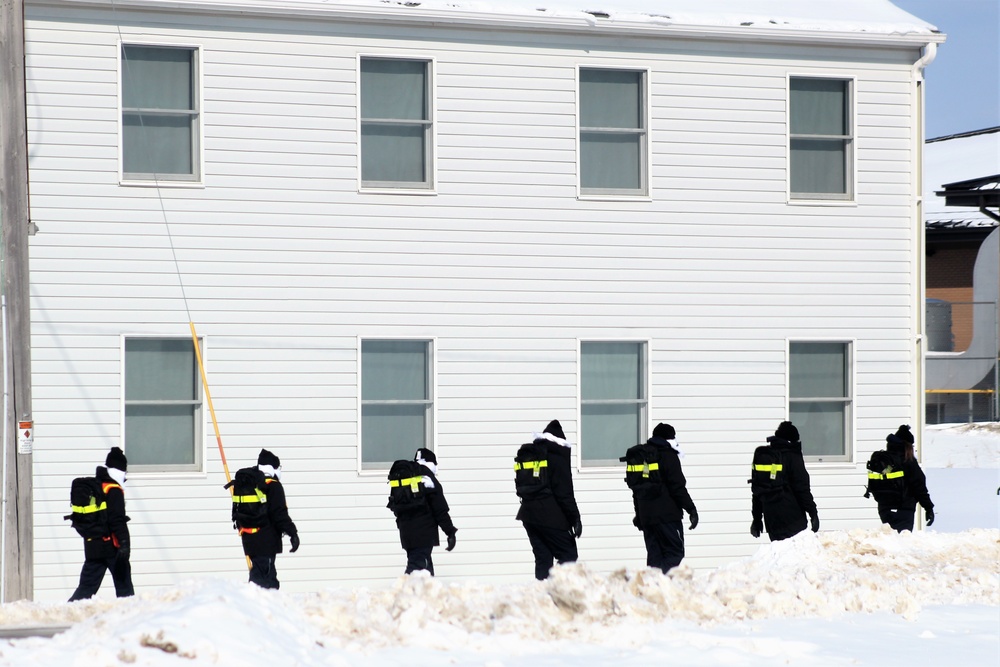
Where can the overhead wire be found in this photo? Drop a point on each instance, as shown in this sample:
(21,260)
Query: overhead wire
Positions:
(126,72)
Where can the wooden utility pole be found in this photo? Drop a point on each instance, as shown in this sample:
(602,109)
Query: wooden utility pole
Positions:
(18,525)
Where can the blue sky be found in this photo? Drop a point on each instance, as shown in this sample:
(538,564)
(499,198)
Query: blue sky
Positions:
(963,83)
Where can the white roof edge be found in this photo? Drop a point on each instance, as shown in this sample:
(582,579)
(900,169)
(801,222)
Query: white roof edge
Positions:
(456,16)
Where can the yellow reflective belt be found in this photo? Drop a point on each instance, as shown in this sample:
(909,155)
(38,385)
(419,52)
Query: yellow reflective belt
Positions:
(412,482)
(536,466)
(89,509)
(773,468)
(645,468)
(259,498)
(887,475)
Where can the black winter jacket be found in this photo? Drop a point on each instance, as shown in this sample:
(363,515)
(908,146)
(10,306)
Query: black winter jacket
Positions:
(267,540)
(117,520)
(785,515)
(913,477)
(419,529)
(558,510)
(674,498)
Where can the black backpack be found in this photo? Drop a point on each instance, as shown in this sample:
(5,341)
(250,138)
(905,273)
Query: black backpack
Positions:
(642,471)
(249,498)
(531,471)
(407,493)
(88,508)
(768,477)
(885,479)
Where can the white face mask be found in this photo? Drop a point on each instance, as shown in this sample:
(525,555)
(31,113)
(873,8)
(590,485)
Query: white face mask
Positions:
(117,475)
(273,472)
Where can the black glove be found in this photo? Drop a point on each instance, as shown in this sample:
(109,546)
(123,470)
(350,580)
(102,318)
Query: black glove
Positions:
(694,520)
(294,538)
(636,523)
(929,515)
(757,527)
(577,529)
(451,542)
(814,518)
(124,550)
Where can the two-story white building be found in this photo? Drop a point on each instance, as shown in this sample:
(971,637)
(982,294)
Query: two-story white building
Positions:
(443,224)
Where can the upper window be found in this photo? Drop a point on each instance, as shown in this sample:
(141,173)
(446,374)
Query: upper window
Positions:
(160,113)
(612,400)
(821,139)
(162,405)
(396,124)
(613,132)
(397,406)
(819,390)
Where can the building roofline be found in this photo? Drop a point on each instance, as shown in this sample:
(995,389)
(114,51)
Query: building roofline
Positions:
(410,13)
(970,133)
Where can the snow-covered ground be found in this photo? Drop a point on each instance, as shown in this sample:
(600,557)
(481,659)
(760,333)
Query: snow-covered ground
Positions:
(859,597)
(962,464)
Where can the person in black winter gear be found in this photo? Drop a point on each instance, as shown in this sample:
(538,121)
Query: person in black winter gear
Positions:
(111,552)
(658,514)
(784,513)
(262,545)
(552,519)
(900,516)
(418,529)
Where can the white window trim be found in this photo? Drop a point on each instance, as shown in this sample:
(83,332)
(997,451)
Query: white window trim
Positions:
(433,382)
(198,179)
(432,148)
(850,429)
(645,192)
(199,468)
(851,198)
(645,419)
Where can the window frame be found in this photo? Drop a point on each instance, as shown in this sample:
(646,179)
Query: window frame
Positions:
(850,401)
(430,424)
(430,131)
(195,179)
(849,197)
(644,407)
(198,466)
(645,139)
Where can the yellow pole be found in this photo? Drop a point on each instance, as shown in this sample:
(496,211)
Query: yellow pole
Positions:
(211,410)
(208,397)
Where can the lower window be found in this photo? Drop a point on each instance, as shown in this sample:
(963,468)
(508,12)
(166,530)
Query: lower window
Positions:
(163,407)
(819,390)
(397,406)
(612,400)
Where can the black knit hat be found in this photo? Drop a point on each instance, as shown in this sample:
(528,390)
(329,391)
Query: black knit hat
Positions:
(787,431)
(425,455)
(116,459)
(266,458)
(555,428)
(665,431)
(904,434)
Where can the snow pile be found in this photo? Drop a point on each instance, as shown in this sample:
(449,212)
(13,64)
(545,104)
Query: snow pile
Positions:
(202,622)
(811,576)
(975,445)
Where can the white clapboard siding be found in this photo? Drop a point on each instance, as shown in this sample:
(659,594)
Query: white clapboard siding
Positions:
(285,265)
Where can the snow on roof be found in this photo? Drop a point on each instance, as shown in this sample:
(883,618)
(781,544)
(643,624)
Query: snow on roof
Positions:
(844,15)
(961,157)
(874,17)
